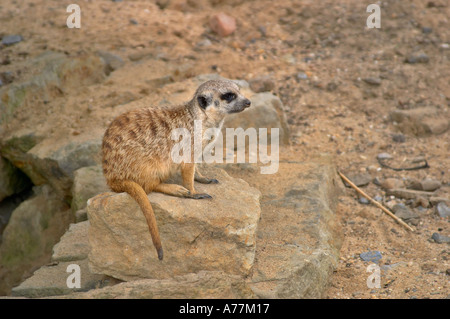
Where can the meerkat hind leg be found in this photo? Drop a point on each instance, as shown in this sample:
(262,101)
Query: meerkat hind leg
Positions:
(172,189)
(187,174)
(198,177)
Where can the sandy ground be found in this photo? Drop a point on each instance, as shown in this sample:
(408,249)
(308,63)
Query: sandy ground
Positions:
(319,55)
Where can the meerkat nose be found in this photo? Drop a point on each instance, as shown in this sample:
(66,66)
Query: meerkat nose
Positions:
(247,103)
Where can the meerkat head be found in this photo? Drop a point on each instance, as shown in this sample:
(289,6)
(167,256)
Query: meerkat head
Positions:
(221,97)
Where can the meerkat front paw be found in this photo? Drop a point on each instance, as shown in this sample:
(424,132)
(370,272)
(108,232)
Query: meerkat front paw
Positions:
(205,180)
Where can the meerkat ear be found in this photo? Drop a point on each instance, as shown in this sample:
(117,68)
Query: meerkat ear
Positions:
(203,101)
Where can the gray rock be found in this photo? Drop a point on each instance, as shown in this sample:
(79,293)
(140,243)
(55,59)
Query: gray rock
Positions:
(34,227)
(362,179)
(219,234)
(430,185)
(201,285)
(363,200)
(383,156)
(442,210)
(88,182)
(372,81)
(378,198)
(11,39)
(399,138)
(420,121)
(302,76)
(74,244)
(372,256)
(440,239)
(417,58)
(287,265)
(46,162)
(52,281)
(405,213)
(54,73)
(266,111)
(262,84)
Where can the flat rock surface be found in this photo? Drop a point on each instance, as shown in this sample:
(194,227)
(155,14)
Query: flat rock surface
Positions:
(216,234)
(52,281)
(298,236)
(203,285)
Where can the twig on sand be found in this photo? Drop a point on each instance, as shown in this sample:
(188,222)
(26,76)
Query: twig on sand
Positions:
(384,209)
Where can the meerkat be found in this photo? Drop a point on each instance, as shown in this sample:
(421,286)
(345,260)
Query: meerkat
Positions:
(137,147)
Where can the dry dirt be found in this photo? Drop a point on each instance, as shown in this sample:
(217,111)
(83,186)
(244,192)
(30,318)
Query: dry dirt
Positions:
(317,53)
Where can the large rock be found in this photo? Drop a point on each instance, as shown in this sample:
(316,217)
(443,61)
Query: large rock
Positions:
(266,111)
(217,234)
(299,237)
(74,244)
(51,280)
(55,73)
(88,182)
(45,161)
(202,285)
(34,227)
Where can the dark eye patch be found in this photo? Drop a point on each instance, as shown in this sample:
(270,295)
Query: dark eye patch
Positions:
(229,96)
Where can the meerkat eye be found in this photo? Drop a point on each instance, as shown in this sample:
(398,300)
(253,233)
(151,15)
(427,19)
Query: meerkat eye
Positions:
(230,96)
(204,101)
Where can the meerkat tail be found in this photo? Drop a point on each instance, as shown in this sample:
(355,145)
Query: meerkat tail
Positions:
(138,193)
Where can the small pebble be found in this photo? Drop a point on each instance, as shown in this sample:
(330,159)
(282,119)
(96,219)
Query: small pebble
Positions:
(384,156)
(442,210)
(302,76)
(11,39)
(360,179)
(399,138)
(440,239)
(372,81)
(430,185)
(405,213)
(417,58)
(427,30)
(373,256)
(363,200)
